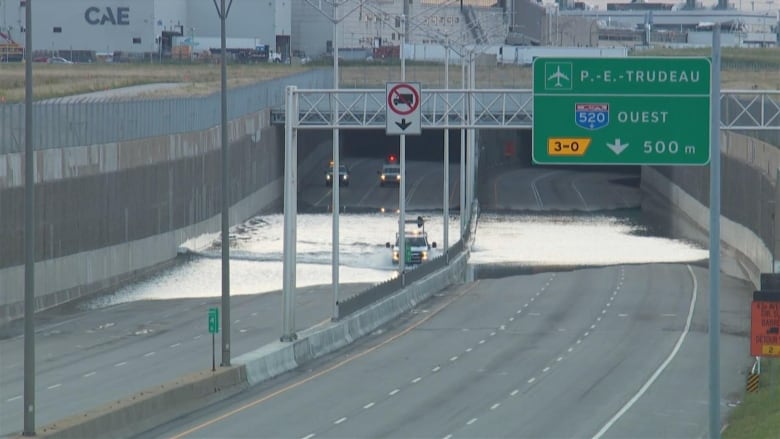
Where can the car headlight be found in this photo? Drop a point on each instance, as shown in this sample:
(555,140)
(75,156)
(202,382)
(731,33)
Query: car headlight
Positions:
(395,255)
(327,177)
(424,255)
(382,177)
(398,177)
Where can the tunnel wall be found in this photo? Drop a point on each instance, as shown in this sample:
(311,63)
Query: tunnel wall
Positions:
(105,213)
(748,184)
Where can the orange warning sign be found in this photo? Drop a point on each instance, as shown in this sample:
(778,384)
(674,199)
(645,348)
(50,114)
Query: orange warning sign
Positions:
(765,328)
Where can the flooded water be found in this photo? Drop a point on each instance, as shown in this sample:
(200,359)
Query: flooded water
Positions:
(257,251)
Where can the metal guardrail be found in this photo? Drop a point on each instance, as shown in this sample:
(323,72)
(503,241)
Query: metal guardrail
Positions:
(492,108)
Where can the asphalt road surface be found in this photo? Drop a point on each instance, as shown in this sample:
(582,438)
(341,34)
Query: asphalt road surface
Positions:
(608,352)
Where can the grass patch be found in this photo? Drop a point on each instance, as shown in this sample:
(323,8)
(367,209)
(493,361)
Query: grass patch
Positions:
(758,416)
(743,68)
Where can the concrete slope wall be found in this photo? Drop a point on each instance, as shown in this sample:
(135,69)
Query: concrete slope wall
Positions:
(748,186)
(108,212)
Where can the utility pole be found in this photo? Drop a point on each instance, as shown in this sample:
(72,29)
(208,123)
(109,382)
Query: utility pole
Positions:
(29,234)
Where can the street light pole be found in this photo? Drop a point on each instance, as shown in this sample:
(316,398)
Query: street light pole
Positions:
(223,12)
(29,235)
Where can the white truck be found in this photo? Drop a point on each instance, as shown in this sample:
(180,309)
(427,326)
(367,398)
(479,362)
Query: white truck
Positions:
(416,245)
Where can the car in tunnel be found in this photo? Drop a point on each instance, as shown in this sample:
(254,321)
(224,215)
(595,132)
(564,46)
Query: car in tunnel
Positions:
(343,175)
(390,174)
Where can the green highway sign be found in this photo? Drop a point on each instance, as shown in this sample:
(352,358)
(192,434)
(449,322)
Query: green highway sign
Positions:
(213,320)
(621,111)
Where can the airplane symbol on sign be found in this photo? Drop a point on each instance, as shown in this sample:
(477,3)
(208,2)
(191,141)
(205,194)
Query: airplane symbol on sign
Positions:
(558,75)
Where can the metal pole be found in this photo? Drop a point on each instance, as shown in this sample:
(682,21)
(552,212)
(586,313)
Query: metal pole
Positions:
(336,175)
(402,159)
(290,213)
(225,198)
(463,153)
(470,145)
(446,185)
(29,235)
(714,315)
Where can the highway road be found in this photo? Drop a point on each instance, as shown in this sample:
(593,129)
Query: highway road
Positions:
(87,357)
(618,351)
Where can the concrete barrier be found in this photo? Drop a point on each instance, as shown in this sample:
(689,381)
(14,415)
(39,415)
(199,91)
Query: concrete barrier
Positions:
(146,409)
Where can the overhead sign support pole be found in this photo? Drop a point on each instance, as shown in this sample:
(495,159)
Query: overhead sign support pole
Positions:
(29,234)
(714,316)
(290,216)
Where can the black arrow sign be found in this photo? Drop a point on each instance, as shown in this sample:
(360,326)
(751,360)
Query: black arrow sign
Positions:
(403,124)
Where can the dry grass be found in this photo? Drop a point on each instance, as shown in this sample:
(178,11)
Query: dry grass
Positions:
(197,79)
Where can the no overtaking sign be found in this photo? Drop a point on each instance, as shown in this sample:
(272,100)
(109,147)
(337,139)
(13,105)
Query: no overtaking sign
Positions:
(403,108)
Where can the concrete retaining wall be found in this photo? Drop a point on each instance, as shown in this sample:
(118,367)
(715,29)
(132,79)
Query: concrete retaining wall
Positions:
(107,213)
(747,203)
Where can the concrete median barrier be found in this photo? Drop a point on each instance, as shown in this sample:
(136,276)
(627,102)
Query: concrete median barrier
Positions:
(154,406)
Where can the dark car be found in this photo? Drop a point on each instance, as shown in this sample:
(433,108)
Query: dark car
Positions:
(343,175)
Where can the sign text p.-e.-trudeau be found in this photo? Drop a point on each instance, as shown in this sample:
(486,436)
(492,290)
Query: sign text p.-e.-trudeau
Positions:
(634,110)
(403,108)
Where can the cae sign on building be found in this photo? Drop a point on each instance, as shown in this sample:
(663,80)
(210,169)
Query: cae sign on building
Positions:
(653,111)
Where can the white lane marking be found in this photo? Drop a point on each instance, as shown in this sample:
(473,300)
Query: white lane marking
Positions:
(525,305)
(511,319)
(89,374)
(518,311)
(369,405)
(587,333)
(196,337)
(570,349)
(449,436)
(175,345)
(559,359)
(454,358)
(609,303)
(531,380)
(237,321)
(579,341)
(598,319)
(120,364)
(14,398)
(416,380)
(533,298)
(603,311)
(394,391)
(663,365)
(242,330)
(492,334)
(148,354)
(535,314)
(593,326)
(546,369)
(308,436)
(54,386)
(622,315)
(471,421)
(436,369)
(514,392)
(339,421)
(469,349)
(253,314)
(579,194)
(495,406)
(482,342)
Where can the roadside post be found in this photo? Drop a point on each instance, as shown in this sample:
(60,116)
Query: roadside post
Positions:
(213,329)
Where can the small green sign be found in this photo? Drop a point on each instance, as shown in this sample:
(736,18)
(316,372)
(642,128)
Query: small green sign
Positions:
(619,111)
(213,320)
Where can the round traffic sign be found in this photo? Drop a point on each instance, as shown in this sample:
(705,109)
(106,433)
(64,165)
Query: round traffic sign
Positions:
(403,99)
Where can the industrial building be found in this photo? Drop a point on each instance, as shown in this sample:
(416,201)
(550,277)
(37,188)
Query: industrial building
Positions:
(370,28)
